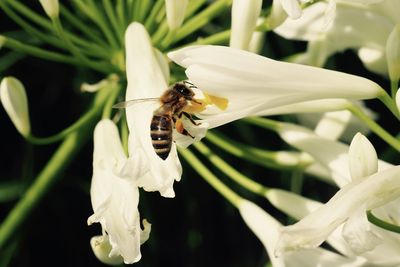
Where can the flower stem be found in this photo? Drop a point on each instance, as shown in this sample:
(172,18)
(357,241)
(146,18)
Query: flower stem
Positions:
(150,21)
(382,224)
(210,178)
(119,29)
(376,128)
(231,172)
(49,175)
(263,122)
(202,18)
(393,88)
(389,102)
(217,38)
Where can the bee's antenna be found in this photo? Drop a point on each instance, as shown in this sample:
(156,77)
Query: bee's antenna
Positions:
(190,83)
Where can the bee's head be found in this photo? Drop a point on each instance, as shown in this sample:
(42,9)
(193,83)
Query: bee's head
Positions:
(184,89)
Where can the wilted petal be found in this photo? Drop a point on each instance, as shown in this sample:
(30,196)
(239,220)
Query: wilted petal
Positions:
(146,80)
(15,102)
(244,17)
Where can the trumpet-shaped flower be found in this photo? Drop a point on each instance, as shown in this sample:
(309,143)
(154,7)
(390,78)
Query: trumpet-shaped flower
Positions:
(14,100)
(354,25)
(252,84)
(367,190)
(266,228)
(115,199)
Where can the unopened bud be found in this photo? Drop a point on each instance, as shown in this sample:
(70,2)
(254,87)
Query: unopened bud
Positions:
(363,160)
(277,15)
(14,100)
(51,7)
(393,54)
(176,10)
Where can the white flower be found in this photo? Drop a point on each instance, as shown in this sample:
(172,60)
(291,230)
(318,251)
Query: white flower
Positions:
(101,248)
(252,84)
(354,25)
(366,191)
(51,7)
(244,18)
(14,100)
(266,228)
(146,80)
(115,199)
(175,10)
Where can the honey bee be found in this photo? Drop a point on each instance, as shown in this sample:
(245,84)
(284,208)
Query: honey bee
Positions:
(168,115)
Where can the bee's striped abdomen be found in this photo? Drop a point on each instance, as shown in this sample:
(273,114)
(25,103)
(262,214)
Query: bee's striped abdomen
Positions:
(161,135)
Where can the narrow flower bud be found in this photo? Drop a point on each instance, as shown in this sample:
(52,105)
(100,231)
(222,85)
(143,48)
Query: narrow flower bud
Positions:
(363,160)
(101,248)
(175,12)
(393,54)
(244,18)
(14,100)
(51,7)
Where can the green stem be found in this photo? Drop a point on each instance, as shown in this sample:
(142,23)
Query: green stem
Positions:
(114,22)
(34,51)
(263,122)
(231,172)
(48,176)
(389,103)
(210,178)
(382,224)
(217,38)
(255,155)
(122,17)
(150,21)
(393,88)
(111,101)
(27,12)
(376,128)
(202,18)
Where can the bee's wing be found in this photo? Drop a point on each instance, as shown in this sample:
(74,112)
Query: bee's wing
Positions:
(129,103)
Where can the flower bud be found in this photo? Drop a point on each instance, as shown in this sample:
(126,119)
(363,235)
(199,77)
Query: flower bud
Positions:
(14,100)
(363,160)
(101,248)
(393,54)
(175,12)
(51,7)
(244,18)
(277,16)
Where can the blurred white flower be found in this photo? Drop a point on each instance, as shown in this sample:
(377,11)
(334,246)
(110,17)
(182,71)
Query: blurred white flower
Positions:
(393,54)
(14,100)
(361,25)
(252,84)
(115,199)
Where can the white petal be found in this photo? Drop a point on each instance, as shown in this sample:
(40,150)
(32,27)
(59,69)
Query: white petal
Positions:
(313,229)
(101,248)
(357,231)
(292,8)
(146,80)
(175,10)
(363,160)
(15,102)
(333,124)
(244,19)
(277,15)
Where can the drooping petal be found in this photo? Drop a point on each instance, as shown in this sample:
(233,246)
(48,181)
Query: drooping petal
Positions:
(146,80)
(14,100)
(244,18)
(224,72)
(115,199)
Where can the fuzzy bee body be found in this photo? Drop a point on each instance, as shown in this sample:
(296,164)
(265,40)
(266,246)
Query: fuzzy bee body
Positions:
(161,134)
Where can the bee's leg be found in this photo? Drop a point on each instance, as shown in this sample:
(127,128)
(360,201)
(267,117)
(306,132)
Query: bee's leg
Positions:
(180,129)
(187,115)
